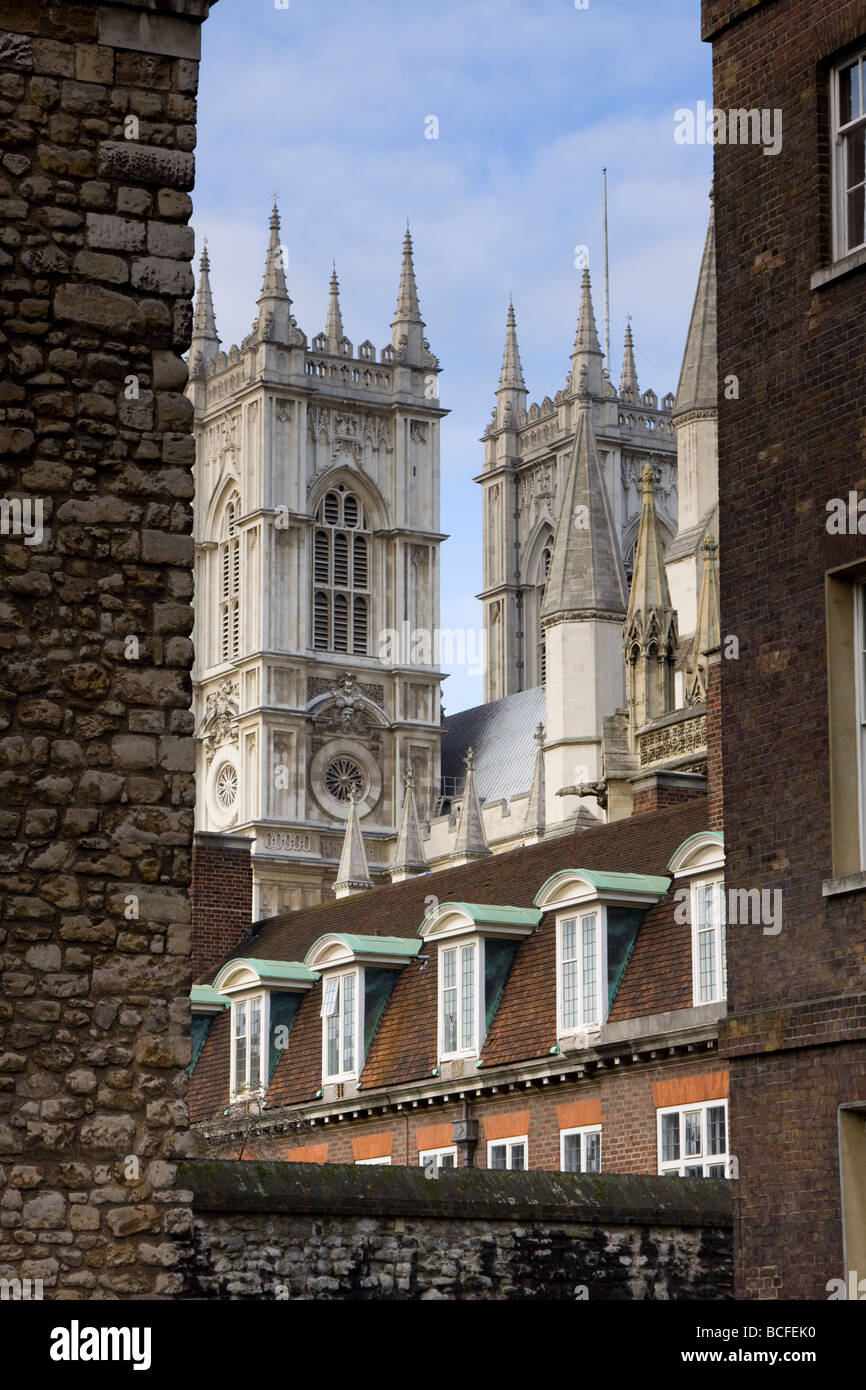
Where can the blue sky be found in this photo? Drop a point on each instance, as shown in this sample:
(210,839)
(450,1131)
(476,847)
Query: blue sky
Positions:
(326,102)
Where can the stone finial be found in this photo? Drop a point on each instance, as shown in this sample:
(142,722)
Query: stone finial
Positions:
(409,856)
(205,342)
(471,838)
(534,819)
(628,387)
(699,378)
(353,875)
(707,627)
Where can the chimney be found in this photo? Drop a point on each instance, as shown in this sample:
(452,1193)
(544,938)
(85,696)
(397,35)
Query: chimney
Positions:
(222,897)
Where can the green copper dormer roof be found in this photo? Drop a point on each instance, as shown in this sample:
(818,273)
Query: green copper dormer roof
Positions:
(338,948)
(490,914)
(630,887)
(247,972)
(205,997)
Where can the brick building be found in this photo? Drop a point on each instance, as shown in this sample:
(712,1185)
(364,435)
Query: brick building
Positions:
(792,465)
(548,1007)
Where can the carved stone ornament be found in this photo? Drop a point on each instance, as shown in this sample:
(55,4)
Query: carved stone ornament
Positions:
(218,726)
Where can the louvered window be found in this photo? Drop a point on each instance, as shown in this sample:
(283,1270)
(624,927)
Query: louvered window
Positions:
(341,575)
(230,583)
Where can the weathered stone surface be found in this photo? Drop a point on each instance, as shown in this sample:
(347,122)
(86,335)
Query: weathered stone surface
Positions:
(135,163)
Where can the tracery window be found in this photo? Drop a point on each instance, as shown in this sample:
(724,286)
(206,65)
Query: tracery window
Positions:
(230,582)
(341,574)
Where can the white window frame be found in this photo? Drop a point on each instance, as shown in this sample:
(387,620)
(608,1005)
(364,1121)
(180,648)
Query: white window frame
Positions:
(252,1087)
(338,977)
(583,1131)
(425,1155)
(384,1161)
(578,915)
(860,697)
(838,132)
(697,886)
(471,1049)
(509,1144)
(703,1160)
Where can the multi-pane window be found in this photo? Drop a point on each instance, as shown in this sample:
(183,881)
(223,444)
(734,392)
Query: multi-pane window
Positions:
(580,1149)
(708,942)
(693,1140)
(507,1153)
(860,686)
(230,582)
(341,574)
(247,1050)
(849,133)
(339,1025)
(443,1158)
(579,972)
(458,985)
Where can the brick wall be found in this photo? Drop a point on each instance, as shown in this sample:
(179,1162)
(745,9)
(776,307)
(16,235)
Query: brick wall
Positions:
(96,753)
(715,790)
(268,1231)
(792,441)
(658,790)
(222,898)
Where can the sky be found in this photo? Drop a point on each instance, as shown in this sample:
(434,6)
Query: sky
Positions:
(327,103)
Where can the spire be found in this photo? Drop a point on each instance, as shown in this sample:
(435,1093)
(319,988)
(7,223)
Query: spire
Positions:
(274,302)
(353,876)
(334,328)
(649,586)
(409,856)
(698,385)
(511,391)
(628,387)
(407,327)
(586,577)
(471,839)
(534,819)
(205,340)
(650,631)
(707,630)
(587,352)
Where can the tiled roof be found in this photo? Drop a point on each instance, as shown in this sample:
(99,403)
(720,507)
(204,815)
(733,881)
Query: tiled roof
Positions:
(501,735)
(656,979)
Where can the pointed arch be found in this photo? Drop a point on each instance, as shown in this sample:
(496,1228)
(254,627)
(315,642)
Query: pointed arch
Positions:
(539,553)
(343,562)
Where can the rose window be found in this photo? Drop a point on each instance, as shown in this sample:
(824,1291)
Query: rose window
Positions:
(342,778)
(227,786)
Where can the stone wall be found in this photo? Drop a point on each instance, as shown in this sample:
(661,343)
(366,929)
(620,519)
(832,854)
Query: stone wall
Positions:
(97,104)
(343,1232)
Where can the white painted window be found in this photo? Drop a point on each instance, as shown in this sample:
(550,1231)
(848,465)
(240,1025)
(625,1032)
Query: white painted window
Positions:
(580,970)
(459,1003)
(248,1050)
(709,970)
(342,543)
(508,1153)
(340,1020)
(230,582)
(445,1158)
(860,687)
(693,1140)
(580,1149)
(386,1160)
(848,109)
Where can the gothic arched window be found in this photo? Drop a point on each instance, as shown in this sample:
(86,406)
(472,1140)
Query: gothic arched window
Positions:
(230,582)
(544,571)
(341,574)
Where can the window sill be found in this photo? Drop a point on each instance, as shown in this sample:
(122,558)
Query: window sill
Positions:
(828,273)
(847,883)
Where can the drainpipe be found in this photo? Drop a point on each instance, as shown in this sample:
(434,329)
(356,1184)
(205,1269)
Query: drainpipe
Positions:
(465,1135)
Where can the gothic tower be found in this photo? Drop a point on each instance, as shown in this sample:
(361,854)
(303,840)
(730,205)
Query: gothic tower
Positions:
(317,584)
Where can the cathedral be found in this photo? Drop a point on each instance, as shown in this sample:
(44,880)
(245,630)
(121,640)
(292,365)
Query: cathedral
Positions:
(317,533)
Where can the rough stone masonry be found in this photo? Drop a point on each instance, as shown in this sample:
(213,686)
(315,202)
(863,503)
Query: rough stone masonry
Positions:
(97,103)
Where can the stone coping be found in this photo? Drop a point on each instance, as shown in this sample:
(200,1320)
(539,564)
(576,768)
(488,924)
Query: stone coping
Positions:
(231,1185)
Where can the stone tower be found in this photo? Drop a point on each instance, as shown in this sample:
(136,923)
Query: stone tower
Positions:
(527,452)
(317,581)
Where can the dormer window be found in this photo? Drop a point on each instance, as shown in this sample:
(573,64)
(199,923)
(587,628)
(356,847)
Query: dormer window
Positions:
(598,916)
(475,947)
(264,996)
(698,867)
(340,1020)
(358,974)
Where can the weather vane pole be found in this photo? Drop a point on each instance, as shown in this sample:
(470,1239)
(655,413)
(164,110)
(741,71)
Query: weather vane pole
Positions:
(606,283)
